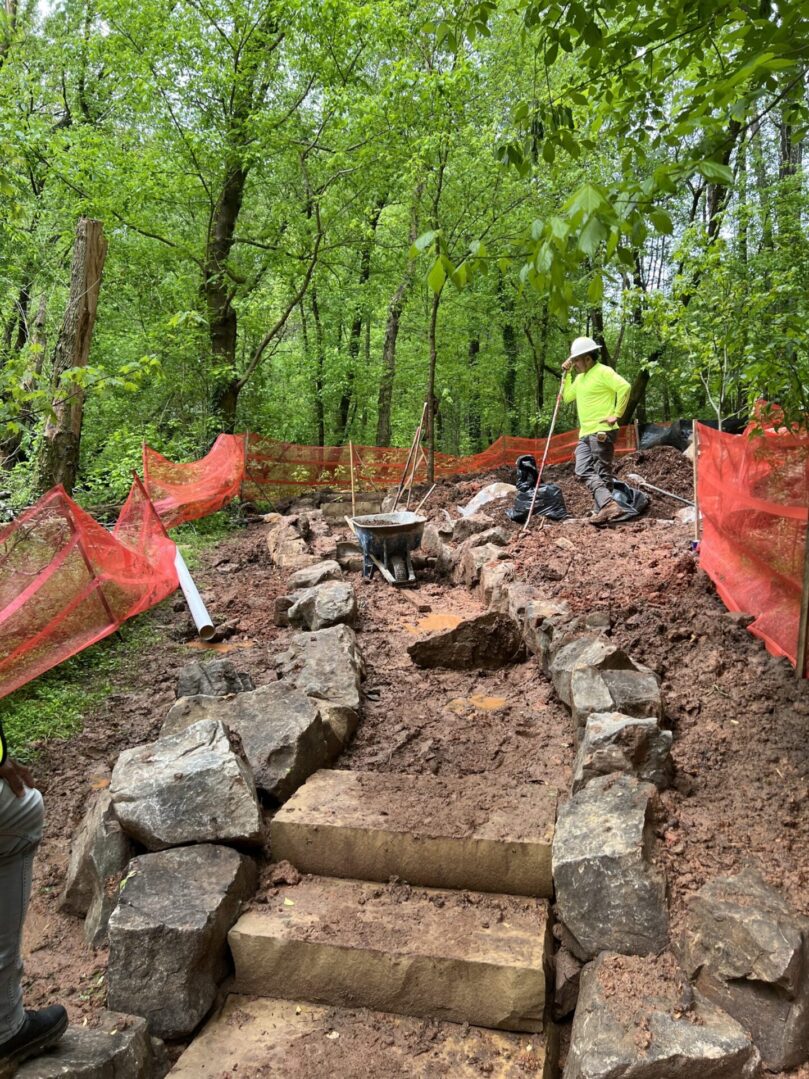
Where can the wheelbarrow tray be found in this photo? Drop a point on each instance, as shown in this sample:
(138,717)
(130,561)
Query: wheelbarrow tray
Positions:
(386,540)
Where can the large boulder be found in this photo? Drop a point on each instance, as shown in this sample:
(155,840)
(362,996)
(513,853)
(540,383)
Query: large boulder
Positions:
(100,851)
(748,951)
(469,561)
(491,493)
(630,692)
(485,642)
(214,678)
(189,787)
(326,665)
(609,893)
(587,651)
(168,934)
(280,729)
(544,620)
(614,742)
(287,548)
(311,576)
(470,525)
(495,578)
(329,604)
(636,1019)
(117,1047)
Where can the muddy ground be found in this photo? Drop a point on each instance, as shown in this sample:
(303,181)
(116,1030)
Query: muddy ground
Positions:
(740,718)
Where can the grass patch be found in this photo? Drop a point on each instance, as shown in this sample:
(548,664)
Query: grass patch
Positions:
(54,706)
(193,538)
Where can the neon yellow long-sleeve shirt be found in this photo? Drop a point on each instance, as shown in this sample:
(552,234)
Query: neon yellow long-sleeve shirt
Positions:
(598,393)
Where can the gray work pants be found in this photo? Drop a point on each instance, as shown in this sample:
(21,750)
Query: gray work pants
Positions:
(594,465)
(21,821)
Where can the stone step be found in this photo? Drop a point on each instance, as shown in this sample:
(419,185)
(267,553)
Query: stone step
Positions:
(283,1039)
(438,832)
(464,957)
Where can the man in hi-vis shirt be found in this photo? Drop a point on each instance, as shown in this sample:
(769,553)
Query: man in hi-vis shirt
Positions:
(601,396)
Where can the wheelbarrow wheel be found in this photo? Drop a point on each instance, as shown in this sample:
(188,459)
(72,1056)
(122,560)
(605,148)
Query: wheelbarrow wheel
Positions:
(399,567)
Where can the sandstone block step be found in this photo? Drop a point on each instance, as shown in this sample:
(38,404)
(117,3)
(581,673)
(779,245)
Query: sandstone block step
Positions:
(443,833)
(465,957)
(282,1039)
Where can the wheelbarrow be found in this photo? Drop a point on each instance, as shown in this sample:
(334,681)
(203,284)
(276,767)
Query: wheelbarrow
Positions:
(386,540)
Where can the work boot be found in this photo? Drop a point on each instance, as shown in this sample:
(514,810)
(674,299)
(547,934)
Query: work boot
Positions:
(608,512)
(39,1032)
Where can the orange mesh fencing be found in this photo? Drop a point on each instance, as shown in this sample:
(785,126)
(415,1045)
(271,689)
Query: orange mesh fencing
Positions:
(272,467)
(66,582)
(753,495)
(186,492)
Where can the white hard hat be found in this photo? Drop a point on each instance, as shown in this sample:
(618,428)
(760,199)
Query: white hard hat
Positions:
(581,346)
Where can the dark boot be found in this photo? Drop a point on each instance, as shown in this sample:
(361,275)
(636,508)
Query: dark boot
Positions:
(39,1032)
(608,512)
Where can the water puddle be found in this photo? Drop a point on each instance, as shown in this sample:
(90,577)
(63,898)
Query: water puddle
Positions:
(477,702)
(433,623)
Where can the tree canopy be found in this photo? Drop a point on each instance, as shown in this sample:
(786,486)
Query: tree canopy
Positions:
(318,211)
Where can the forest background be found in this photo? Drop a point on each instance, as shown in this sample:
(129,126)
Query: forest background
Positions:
(318,212)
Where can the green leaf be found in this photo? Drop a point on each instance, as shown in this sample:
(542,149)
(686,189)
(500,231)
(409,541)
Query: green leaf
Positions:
(437,276)
(548,152)
(423,242)
(588,198)
(715,172)
(591,235)
(595,290)
(662,222)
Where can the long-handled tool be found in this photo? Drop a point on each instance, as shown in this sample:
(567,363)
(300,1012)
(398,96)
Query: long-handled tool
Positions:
(413,446)
(545,454)
(635,478)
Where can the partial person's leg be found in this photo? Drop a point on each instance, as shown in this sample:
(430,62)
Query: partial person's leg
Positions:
(21,822)
(594,468)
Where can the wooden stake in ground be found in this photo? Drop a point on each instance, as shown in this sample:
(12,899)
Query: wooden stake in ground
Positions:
(353,496)
(803,617)
(413,444)
(60,454)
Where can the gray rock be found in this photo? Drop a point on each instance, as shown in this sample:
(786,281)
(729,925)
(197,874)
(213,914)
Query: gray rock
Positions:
(187,788)
(491,493)
(279,727)
(635,1020)
(609,893)
(444,524)
(168,934)
(470,525)
(617,743)
(330,604)
(215,678)
(633,693)
(349,555)
(748,952)
(339,726)
(486,642)
(544,622)
(280,612)
(469,561)
(326,665)
(100,850)
(314,575)
(119,1047)
(587,651)
(516,598)
(498,537)
(287,548)
(494,582)
(567,975)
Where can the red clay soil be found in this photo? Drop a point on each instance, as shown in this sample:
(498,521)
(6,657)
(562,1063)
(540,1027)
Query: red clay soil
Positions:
(739,717)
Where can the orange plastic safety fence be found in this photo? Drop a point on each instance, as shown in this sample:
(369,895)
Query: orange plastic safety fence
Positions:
(754,497)
(66,582)
(186,492)
(272,467)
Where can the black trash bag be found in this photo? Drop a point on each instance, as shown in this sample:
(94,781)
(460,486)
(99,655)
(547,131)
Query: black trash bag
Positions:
(549,501)
(632,501)
(654,434)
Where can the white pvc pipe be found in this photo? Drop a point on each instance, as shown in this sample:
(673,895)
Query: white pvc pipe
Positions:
(202,620)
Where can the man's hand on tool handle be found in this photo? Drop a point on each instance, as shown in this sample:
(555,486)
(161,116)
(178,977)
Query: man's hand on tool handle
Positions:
(17,776)
(566,366)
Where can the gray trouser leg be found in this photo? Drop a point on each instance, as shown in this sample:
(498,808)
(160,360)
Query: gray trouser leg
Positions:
(21,821)
(594,466)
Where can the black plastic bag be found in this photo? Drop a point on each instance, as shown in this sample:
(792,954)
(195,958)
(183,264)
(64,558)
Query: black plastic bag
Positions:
(549,501)
(631,500)
(654,434)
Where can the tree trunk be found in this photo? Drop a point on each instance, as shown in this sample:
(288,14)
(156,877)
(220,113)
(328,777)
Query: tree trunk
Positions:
(473,419)
(60,456)
(320,411)
(538,350)
(355,337)
(511,351)
(431,402)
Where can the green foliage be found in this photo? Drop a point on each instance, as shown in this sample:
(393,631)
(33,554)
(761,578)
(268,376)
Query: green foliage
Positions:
(54,706)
